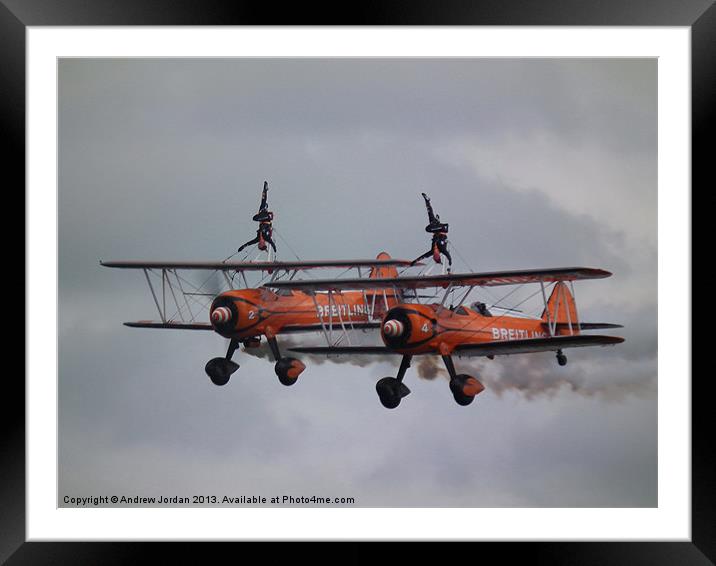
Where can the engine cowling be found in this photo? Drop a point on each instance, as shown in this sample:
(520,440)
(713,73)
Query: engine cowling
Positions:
(407,327)
(224,315)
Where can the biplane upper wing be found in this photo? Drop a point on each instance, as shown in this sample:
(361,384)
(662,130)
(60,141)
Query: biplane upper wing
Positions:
(255,265)
(488,279)
(496,348)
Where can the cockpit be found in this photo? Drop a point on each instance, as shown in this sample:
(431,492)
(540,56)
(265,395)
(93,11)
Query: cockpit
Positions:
(480,308)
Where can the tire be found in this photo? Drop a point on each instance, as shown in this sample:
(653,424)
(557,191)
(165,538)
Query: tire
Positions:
(388,392)
(219,370)
(458,385)
(288,370)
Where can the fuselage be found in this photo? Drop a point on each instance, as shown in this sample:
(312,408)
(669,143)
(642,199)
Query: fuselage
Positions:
(248,313)
(419,329)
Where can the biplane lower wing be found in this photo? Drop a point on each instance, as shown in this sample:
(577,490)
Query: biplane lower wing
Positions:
(530,345)
(207,326)
(170,325)
(497,348)
(343,350)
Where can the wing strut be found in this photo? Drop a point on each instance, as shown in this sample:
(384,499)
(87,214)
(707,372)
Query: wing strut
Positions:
(156,301)
(546,307)
(165,274)
(323,324)
(340,318)
(181,288)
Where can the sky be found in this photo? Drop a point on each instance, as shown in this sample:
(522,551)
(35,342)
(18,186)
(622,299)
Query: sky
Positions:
(534,163)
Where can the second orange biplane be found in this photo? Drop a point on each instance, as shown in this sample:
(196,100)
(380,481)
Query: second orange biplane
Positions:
(410,329)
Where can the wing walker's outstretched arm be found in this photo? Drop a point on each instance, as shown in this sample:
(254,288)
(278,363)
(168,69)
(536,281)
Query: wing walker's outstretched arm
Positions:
(431,214)
(264,204)
(435,225)
(263,214)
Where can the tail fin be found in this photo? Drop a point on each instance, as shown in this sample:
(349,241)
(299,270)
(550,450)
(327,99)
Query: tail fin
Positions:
(561,309)
(383,271)
(390,297)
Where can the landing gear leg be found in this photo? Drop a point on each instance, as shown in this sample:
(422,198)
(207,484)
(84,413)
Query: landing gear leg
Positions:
(287,369)
(392,389)
(219,370)
(561,358)
(463,387)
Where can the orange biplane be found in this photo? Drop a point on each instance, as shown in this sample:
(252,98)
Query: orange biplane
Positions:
(410,329)
(245,315)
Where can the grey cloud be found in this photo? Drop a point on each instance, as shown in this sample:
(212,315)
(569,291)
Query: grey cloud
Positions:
(611,100)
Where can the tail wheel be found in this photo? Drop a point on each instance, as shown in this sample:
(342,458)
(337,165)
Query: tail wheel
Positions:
(219,370)
(561,358)
(288,370)
(464,388)
(391,391)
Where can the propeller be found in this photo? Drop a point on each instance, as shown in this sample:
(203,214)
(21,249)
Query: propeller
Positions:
(215,283)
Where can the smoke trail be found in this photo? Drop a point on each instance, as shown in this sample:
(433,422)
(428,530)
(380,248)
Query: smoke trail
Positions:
(428,368)
(539,376)
(608,377)
(360,360)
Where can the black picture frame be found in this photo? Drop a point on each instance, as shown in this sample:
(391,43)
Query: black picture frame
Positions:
(699,15)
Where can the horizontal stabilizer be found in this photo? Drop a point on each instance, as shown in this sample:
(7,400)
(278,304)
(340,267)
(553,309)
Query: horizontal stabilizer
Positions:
(508,347)
(172,325)
(588,325)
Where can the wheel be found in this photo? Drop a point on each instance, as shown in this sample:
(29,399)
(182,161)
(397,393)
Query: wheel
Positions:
(388,392)
(288,370)
(391,391)
(561,359)
(219,370)
(464,388)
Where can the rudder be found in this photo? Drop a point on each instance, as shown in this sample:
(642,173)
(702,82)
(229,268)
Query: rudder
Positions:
(384,271)
(561,308)
(391,296)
